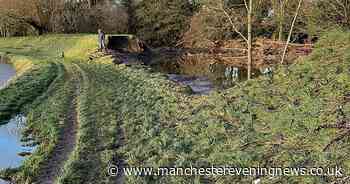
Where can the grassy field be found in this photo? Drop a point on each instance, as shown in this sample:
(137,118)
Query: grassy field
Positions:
(299,118)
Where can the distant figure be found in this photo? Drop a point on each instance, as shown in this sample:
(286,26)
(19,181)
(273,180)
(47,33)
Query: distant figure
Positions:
(101,40)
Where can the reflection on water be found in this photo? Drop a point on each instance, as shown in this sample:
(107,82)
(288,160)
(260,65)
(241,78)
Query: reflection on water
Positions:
(10,132)
(3,182)
(225,76)
(10,143)
(203,77)
(6,72)
(199,85)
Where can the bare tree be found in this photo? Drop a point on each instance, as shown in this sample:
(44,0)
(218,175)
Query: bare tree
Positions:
(279,11)
(19,17)
(249,38)
(250,54)
(291,31)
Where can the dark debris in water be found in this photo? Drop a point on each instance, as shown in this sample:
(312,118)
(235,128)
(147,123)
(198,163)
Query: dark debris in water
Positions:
(200,74)
(198,85)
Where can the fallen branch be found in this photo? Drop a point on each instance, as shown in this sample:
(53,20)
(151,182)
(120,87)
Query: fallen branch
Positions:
(290,44)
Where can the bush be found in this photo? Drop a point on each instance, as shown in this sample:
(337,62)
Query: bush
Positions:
(329,14)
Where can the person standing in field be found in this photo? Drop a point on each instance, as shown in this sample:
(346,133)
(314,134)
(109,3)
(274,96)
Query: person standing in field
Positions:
(101,40)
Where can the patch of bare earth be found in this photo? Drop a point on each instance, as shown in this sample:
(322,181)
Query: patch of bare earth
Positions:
(53,168)
(119,160)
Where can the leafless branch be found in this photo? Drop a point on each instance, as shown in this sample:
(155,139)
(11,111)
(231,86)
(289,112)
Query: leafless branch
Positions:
(233,25)
(246,5)
(231,21)
(291,31)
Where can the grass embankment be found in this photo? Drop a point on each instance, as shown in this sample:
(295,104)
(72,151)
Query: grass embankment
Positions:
(25,89)
(43,93)
(97,130)
(297,119)
(45,119)
(47,115)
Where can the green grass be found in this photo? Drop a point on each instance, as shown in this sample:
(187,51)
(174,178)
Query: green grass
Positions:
(264,122)
(25,89)
(42,92)
(45,120)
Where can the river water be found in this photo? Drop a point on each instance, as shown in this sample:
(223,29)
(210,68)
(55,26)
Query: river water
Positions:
(203,77)
(10,132)
(6,72)
(201,74)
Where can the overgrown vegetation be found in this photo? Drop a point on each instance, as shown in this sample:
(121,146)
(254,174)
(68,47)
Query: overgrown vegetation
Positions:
(45,121)
(127,116)
(328,15)
(25,89)
(296,119)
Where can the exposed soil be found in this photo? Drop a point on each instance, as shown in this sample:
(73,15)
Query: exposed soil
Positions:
(119,160)
(66,143)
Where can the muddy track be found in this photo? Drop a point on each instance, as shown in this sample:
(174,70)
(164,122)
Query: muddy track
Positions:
(53,168)
(61,72)
(119,160)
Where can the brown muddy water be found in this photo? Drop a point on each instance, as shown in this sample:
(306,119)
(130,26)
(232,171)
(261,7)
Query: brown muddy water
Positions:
(202,76)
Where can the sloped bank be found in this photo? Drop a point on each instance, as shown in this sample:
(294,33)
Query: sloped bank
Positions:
(15,97)
(10,133)
(297,119)
(47,102)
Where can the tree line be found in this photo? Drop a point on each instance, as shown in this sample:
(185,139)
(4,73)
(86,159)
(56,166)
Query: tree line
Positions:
(167,22)
(28,17)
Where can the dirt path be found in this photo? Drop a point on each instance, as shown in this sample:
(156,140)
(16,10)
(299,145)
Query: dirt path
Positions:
(54,166)
(120,162)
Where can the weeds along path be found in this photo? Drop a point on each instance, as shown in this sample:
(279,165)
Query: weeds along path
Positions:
(51,88)
(26,89)
(97,143)
(53,168)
